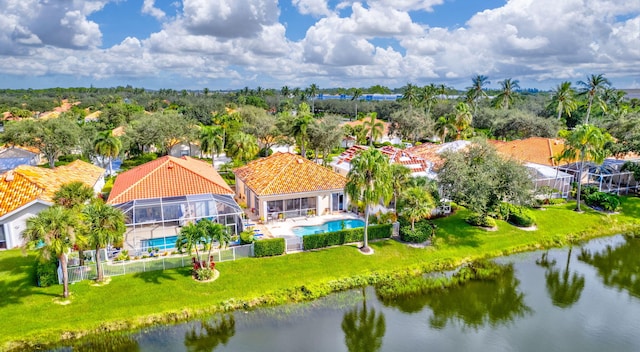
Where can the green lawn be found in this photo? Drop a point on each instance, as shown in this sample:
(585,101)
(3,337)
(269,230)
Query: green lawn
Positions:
(28,313)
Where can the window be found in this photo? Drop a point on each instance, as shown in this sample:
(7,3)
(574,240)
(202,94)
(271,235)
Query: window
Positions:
(3,239)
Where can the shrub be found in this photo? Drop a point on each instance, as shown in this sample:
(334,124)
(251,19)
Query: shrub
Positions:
(554,201)
(138,160)
(204,274)
(246,237)
(418,235)
(345,236)
(518,216)
(47,272)
(589,190)
(269,247)
(604,201)
(479,220)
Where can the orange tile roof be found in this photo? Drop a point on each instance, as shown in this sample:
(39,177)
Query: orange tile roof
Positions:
(536,150)
(167,176)
(27,183)
(286,173)
(432,152)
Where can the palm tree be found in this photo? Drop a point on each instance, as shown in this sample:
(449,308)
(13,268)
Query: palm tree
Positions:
(313,90)
(243,146)
(220,233)
(374,127)
(192,236)
(410,95)
(593,87)
(369,181)
(442,127)
(428,95)
(356,93)
(53,228)
(507,93)
(585,142)
(212,141)
(417,203)
(462,119)
(73,194)
(563,99)
(400,175)
(106,145)
(565,291)
(300,127)
(476,91)
(105,225)
(285,91)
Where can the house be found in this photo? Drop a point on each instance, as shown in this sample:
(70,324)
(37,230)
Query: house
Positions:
(286,185)
(12,157)
(537,150)
(161,196)
(432,154)
(419,167)
(27,190)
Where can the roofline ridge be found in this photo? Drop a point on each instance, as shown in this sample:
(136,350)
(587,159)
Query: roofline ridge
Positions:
(141,178)
(280,171)
(182,159)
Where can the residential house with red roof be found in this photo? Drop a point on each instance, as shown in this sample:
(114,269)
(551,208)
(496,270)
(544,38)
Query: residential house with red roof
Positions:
(27,190)
(286,185)
(162,195)
(419,167)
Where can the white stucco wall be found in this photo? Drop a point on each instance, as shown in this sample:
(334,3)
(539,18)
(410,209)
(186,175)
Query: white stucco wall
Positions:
(16,222)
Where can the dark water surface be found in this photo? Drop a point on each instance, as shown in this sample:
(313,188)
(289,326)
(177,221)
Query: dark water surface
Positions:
(586,298)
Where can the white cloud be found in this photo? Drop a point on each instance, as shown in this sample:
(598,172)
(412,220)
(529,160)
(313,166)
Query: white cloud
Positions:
(229,18)
(312,7)
(148,8)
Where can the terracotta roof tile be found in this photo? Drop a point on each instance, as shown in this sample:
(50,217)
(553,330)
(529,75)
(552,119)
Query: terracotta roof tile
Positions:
(27,183)
(286,173)
(536,150)
(167,176)
(432,152)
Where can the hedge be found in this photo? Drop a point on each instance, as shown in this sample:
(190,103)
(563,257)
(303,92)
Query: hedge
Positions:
(47,272)
(345,236)
(268,247)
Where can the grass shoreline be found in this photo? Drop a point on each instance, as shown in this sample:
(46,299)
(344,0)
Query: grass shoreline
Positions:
(29,318)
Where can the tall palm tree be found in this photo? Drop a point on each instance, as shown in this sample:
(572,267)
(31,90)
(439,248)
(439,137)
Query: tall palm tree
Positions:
(54,229)
(285,91)
(105,225)
(476,91)
(462,119)
(356,93)
(243,146)
(300,126)
(410,95)
(428,95)
(400,176)
(191,237)
(374,127)
(73,194)
(313,91)
(417,203)
(507,94)
(107,145)
(585,142)
(369,181)
(442,127)
(212,141)
(563,99)
(593,87)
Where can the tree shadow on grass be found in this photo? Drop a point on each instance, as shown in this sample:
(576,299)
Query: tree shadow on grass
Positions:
(155,276)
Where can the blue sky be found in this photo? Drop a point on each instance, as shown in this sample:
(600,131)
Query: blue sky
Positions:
(229,44)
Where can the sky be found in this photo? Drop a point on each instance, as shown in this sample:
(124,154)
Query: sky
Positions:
(231,44)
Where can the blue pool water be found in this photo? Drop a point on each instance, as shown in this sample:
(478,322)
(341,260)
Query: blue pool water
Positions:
(162,243)
(329,226)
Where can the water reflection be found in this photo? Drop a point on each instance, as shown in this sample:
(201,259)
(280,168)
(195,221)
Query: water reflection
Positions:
(121,342)
(363,328)
(207,335)
(564,288)
(475,304)
(618,267)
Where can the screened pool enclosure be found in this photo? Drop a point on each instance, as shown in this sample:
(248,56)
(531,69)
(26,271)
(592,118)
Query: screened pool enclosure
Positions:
(159,220)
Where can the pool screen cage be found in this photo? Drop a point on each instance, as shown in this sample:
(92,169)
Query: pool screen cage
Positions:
(163,217)
(609,177)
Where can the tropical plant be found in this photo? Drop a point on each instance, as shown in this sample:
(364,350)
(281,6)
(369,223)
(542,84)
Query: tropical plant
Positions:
(443,126)
(107,145)
(462,119)
(585,142)
(212,141)
(374,127)
(476,91)
(592,88)
(73,194)
(369,181)
(52,232)
(507,94)
(356,93)
(313,91)
(410,96)
(416,203)
(300,126)
(427,96)
(563,100)
(400,176)
(243,146)
(104,225)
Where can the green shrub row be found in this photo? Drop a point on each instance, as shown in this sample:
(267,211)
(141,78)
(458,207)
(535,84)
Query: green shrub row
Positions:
(345,236)
(479,220)
(604,201)
(423,230)
(47,272)
(518,216)
(268,247)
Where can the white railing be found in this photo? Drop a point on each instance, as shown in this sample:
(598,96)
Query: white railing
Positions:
(116,268)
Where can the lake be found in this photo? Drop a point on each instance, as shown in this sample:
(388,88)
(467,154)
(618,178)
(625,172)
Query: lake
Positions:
(586,298)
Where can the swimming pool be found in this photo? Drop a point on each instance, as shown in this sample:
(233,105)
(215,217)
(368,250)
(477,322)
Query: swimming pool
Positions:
(162,243)
(329,226)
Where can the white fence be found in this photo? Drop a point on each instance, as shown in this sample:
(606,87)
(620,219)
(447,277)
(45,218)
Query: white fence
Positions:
(89,272)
